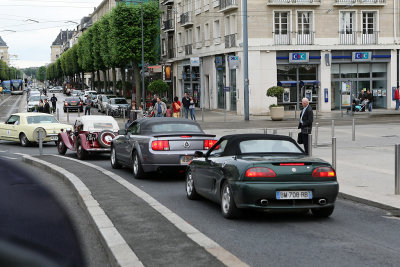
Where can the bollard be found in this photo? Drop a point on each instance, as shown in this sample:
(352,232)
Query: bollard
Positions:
(291,134)
(202,114)
(265,130)
(275,131)
(123,112)
(107,111)
(58,114)
(396,169)
(310,145)
(67,115)
(295,111)
(316,135)
(334,152)
(354,130)
(40,142)
(79,112)
(333,129)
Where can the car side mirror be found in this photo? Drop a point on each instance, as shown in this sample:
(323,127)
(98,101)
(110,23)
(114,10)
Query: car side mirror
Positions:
(198,154)
(122,132)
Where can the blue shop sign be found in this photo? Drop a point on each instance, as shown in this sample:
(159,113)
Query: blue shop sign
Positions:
(361,56)
(299,57)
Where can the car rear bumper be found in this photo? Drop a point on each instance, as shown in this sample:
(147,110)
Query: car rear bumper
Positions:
(172,160)
(249,195)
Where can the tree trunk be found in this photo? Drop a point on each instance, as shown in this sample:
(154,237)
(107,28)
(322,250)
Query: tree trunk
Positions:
(114,76)
(136,76)
(98,82)
(123,77)
(83,80)
(105,82)
(92,82)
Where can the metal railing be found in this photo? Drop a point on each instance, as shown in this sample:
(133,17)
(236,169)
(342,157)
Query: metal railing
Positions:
(294,1)
(230,40)
(282,39)
(351,38)
(305,38)
(168,25)
(369,38)
(188,49)
(223,4)
(347,38)
(186,18)
(171,53)
(367,2)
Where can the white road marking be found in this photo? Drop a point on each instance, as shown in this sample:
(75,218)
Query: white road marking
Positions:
(8,157)
(201,239)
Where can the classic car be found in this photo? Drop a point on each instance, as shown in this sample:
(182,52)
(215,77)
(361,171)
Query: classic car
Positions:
(33,102)
(25,127)
(73,103)
(91,134)
(262,172)
(158,144)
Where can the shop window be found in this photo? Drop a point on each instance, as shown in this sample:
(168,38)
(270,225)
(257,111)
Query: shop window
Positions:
(287,73)
(307,72)
(335,70)
(349,71)
(364,70)
(379,70)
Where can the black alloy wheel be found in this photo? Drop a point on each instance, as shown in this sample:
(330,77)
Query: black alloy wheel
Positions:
(137,166)
(23,140)
(80,152)
(190,189)
(114,162)
(228,206)
(61,147)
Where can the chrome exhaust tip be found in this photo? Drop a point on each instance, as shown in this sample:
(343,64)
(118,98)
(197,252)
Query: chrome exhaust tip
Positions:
(322,201)
(264,202)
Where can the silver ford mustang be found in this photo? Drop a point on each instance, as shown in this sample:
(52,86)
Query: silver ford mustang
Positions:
(158,144)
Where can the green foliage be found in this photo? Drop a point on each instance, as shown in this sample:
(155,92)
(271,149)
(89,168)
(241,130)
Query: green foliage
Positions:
(275,91)
(158,87)
(41,73)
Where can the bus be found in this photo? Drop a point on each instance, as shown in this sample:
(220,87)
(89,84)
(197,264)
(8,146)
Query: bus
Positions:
(17,87)
(6,87)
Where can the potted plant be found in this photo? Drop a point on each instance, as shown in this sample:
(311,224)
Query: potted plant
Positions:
(276,112)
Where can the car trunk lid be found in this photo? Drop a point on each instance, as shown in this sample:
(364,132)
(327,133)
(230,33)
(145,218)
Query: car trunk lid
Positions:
(186,142)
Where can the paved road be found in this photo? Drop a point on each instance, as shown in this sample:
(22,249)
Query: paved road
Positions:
(356,235)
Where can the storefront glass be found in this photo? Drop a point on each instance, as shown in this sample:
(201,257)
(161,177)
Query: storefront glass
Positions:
(221,80)
(191,82)
(232,80)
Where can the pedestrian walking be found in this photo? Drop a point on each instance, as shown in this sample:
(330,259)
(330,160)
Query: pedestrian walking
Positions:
(176,107)
(397,98)
(53,101)
(154,101)
(160,108)
(192,109)
(305,124)
(186,104)
(370,99)
(88,105)
(40,107)
(46,106)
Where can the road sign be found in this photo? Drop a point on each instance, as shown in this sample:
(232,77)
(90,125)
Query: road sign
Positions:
(227,89)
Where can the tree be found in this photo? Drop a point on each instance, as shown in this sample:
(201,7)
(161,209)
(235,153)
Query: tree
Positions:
(105,47)
(41,73)
(158,87)
(98,61)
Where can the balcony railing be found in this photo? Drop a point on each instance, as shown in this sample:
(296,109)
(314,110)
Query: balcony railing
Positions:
(171,53)
(305,38)
(294,2)
(366,38)
(168,25)
(188,49)
(282,39)
(360,2)
(227,5)
(230,40)
(369,38)
(186,19)
(347,38)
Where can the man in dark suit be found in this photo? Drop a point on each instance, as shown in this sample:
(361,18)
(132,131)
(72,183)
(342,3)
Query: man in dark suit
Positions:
(306,120)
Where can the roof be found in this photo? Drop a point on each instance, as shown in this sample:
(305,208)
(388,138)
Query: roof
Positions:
(2,43)
(63,37)
(96,118)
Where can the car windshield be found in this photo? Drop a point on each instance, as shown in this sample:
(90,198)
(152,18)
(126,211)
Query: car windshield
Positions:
(40,119)
(176,127)
(103,125)
(72,99)
(119,101)
(268,146)
(37,98)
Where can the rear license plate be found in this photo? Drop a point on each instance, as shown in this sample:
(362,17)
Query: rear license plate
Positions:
(54,138)
(186,159)
(293,194)
(91,137)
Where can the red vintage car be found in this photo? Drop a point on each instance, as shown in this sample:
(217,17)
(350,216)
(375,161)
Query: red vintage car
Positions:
(91,134)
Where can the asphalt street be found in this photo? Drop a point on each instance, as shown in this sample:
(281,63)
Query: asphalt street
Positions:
(355,235)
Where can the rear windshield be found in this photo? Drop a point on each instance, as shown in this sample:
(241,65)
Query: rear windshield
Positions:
(40,119)
(268,146)
(73,99)
(118,101)
(103,125)
(37,98)
(175,127)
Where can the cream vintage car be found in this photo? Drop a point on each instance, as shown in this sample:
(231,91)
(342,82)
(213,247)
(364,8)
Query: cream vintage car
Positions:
(25,127)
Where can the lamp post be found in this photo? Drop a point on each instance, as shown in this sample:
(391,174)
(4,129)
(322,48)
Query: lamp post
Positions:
(246,61)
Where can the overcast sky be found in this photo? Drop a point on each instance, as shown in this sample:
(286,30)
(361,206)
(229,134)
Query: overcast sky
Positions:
(31,40)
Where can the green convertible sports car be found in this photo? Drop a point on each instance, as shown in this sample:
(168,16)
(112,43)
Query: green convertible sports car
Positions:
(262,172)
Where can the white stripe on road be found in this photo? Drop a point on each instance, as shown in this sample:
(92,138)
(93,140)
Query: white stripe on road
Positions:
(211,246)
(13,107)
(121,251)
(8,157)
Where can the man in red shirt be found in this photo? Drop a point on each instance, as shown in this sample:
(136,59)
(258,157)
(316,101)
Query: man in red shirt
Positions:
(397,98)
(176,106)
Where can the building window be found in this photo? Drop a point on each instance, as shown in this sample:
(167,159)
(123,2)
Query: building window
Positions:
(369,28)
(217,32)
(305,34)
(281,28)
(199,40)
(206,31)
(347,22)
(188,37)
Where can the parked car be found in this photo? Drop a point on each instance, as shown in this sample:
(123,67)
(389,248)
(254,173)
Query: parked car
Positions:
(73,103)
(91,134)
(96,100)
(103,103)
(262,172)
(57,89)
(33,101)
(116,106)
(87,93)
(24,128)
(159,144)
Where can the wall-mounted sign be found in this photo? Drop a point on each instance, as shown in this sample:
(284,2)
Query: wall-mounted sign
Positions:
(233,62)
(299,57)
(195,61)
(361,56)
(167,73)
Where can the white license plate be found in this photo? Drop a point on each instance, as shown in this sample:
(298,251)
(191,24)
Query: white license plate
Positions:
(293,194)
(54,138)
(186,159)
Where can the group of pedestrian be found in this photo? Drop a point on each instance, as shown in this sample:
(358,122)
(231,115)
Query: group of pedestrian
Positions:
(366,99)
(44,106)
(160,109)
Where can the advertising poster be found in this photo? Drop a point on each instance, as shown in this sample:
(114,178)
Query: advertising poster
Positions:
(345,100)
(384,92)
(379,92)
(375,92)
(346,87)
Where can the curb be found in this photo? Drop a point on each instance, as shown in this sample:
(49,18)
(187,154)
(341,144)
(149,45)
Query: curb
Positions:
(118,251)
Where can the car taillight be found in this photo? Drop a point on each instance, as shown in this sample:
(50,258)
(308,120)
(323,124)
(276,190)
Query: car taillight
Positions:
(185,136)
(258,172)
(324,172)
(209,143)
(160,145)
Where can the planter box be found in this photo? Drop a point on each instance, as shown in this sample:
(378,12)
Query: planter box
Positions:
(277,113)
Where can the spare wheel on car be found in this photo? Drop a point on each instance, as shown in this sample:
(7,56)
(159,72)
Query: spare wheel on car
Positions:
(105,137)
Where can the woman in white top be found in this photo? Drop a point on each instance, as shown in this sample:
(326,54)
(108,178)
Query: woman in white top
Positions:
(192,109)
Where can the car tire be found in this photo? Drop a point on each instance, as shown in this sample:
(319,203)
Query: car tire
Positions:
(137,166)
(104,138)
(323,212)
(114,162)
(23,140)
(80,152)
(61,147)
(228,206)
(190,189)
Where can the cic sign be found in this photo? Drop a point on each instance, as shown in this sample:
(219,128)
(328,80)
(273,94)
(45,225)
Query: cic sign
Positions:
(361,56)
(299,57)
